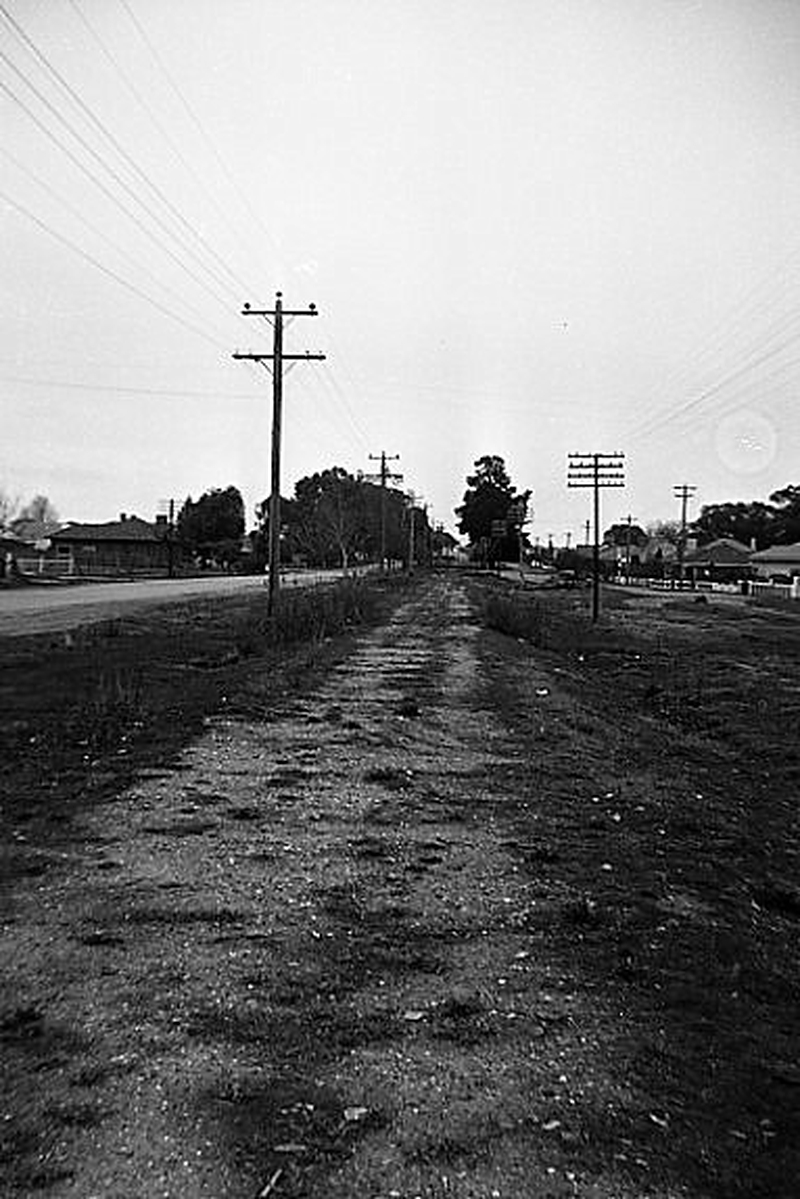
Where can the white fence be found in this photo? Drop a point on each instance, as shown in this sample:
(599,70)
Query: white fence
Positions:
(681,585)
(752,587)
(46,567)
(788,591)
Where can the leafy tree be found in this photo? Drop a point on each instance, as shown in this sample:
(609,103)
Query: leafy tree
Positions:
(334,519)
(742,521)
(36,519)
(326,519)
(212,527)
(619,534)
(787,515)
(491,497)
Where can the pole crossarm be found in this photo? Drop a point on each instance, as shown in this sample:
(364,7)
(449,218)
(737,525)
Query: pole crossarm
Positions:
(602,480)
(306,357)
(310,311)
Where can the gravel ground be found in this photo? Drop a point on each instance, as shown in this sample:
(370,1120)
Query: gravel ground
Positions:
(337,953)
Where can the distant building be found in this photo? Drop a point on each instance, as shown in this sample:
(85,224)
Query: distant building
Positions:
(723,560)
(777,560)
(128,546)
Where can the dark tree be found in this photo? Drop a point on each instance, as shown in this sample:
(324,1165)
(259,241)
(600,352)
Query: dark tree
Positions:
(787,515)
(212,527)
(326,521)
(744,522)
(491,501)
(37,519)
(619,535)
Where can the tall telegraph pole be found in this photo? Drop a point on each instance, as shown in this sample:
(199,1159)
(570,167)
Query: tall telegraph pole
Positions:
(277,358)
(595,471)
(412,520)
(628,523)
(682,492)
(384,476)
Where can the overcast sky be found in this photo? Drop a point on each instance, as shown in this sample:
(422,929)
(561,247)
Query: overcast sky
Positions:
(531,227)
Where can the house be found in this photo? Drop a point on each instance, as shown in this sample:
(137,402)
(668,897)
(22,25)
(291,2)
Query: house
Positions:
(725,560)
(778,560)
(124,547)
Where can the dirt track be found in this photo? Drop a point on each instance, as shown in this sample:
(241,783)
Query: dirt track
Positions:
(417,934)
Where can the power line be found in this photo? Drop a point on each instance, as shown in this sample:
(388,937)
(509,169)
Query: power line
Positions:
(137,291)
(156,392)
(98,124)
(170,141)
(328,379)
(102,187)
(78,215)
(726,330)
(198,125)
(122,183)
(648,428)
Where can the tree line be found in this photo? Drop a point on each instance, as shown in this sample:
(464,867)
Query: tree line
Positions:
(493,514)
(332,519)
(336,519)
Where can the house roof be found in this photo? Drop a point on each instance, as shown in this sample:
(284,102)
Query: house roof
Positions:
(779,553)
(725,551)
(130,529)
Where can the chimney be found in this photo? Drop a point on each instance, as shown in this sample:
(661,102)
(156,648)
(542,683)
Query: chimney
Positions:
(161,518)
(123,516)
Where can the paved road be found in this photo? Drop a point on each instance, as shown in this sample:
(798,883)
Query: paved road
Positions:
(52,608)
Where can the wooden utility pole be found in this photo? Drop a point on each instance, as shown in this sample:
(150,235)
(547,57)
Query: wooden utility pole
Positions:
(167,515)
(682,492)
(595,471)
(628,523)
(277,358)
(412,520)
(382,478)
